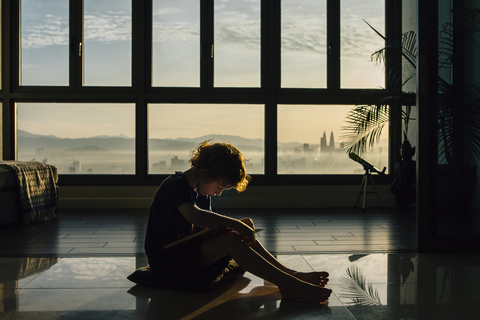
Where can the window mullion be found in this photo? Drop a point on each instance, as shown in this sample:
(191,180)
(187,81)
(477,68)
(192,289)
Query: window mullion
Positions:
(270,79)
(76,44)
(206,43)
(333,45)
(393,65)
(10,59)
(141,79)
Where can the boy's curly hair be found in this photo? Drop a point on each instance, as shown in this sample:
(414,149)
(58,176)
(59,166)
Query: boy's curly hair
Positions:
(222,161)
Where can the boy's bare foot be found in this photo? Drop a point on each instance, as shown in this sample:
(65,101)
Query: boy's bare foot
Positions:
(305,292)
(317,277)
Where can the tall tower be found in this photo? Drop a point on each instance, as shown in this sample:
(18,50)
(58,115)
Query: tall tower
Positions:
(332,142)
(323,143)
(324,147)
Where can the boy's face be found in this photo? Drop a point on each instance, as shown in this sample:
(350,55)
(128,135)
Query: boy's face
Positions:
(211,187)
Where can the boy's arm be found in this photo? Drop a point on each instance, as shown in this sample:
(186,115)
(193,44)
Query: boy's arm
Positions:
(208,219)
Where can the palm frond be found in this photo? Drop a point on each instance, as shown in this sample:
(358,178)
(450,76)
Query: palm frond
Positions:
(472,24)
(365,125)
(459,124)
(378,57)
(357,289)
(407,47)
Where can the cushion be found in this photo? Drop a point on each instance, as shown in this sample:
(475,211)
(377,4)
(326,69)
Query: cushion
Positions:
(145,276)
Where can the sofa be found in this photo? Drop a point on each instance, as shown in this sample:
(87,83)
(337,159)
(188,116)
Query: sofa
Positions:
(28,191)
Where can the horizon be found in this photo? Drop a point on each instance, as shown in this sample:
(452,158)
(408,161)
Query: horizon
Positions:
(122,136)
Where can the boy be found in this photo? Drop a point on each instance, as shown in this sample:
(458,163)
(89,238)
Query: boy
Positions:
(182,203)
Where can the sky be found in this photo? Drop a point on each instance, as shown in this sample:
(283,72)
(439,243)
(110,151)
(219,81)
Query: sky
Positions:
(107,56)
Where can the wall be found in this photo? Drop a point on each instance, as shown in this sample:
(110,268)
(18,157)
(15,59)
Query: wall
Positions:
(1,131)
(253,197)
(473,76)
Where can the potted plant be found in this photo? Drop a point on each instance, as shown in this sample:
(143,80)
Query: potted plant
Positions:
(458,110)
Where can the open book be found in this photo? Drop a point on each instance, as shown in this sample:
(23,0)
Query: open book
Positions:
(199,236)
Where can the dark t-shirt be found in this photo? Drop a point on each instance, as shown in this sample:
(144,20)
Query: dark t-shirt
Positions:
(165,222)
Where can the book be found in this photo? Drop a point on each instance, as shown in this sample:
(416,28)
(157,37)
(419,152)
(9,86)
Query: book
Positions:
(199,236)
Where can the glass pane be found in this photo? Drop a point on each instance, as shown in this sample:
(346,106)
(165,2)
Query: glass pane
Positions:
(44,43)
(309,139)
(409,79)
(107,51)
(358,41)
(304,43)
(409,28)
(176,43)
(176,129)
(237,43)
(78,138)
(458,126)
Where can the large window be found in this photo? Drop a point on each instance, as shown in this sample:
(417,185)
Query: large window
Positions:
(176,129)
(78,138)
(304,44)
(107,42)
(236,45)
(176,43)
(44,27)
(359,41)
(309,141)
(128,88)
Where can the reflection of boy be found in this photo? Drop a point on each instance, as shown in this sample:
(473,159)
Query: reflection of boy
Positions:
(182,204)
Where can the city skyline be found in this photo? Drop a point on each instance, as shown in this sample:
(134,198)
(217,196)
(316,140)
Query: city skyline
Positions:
(109,155)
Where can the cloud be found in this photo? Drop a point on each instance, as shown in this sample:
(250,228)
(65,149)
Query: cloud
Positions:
(166,11)
(111,26)
(245,36)
(176,30)
(238,26)
(302,31)
(54,30)
(357,41)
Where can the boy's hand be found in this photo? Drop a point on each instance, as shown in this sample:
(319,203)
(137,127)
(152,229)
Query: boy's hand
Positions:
(247,231)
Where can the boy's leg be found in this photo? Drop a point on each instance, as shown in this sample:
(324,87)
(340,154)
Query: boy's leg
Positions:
(317,278)
(290,287)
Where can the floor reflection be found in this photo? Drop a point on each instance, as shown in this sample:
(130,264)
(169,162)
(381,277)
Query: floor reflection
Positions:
(383,286)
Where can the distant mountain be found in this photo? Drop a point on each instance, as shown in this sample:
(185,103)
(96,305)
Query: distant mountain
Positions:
(30,141)
(25,134)
(106,136)
(86,149)
(239,142)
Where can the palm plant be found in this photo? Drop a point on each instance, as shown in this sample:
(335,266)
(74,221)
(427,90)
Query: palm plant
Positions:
(458,105)
(357,289)
(365,123)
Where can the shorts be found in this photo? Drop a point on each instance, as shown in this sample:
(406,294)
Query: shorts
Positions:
(183,264)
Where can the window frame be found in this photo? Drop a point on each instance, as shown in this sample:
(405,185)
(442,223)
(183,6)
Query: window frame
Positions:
(141,93)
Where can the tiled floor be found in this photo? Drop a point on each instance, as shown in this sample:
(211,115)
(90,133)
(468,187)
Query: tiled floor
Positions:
(75,267)
(105,233)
